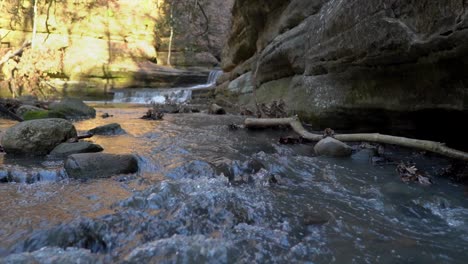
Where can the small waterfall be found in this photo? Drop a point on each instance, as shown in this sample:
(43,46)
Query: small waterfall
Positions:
(213,76)
(148,96)
(162,96)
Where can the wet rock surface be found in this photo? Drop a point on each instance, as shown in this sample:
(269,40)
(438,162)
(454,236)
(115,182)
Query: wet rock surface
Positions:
(108,130)
(37,137)
(99,165)
(55,255)
(67,149)
(332,148)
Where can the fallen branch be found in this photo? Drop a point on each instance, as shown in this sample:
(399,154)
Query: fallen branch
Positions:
(10,114)
(18,52)
(296,125)
(77,138)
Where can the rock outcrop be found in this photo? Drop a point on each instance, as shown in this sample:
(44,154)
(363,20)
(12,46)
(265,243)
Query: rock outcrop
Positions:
(37,137)
(354,64)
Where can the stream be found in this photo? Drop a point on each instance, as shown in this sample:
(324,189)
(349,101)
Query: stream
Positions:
(285,206)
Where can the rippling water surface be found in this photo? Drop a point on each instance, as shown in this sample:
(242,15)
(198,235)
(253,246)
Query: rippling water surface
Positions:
(285,204)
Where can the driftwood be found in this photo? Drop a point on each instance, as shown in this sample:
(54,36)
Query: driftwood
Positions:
(18,52)
(296,125)
(77,138)
(10,114)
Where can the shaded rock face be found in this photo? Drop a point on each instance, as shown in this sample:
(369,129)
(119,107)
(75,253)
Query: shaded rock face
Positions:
(37,137)
(343,60)
(99,165)
(199,33)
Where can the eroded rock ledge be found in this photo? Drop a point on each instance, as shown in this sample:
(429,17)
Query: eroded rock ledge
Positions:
(374,65)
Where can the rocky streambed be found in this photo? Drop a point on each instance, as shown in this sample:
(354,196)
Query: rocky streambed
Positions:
(283,204)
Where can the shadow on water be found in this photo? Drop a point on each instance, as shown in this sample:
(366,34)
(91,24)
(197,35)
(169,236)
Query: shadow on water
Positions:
(285,204)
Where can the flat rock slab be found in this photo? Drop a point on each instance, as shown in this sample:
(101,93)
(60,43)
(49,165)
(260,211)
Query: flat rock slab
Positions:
(67,149)
(99,165)
(332,148)
(109,129)
(37,137)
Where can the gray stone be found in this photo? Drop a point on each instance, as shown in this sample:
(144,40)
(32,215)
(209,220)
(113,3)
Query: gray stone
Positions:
(27,108)
(333,148)
(67,149)
(37,137)
(242,85)
(109,129)
(54,255)
(99,165)
(216,110)
(73,108)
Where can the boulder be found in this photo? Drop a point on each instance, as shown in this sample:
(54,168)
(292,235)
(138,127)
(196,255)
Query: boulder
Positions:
(37,137)
(67,149)
(99,165)
(27,108)
(216,110)
(73,108)
(333,148)
(109,129)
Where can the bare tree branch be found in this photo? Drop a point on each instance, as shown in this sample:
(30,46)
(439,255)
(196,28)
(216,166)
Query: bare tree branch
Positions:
(295,124)
(18,52)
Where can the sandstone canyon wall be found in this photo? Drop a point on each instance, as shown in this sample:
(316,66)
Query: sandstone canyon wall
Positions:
(122,42)
(354,64)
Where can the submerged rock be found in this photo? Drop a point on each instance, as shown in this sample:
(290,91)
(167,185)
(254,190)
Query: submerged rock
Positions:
(73,108)
(55,255)
(99,165)
(67,149)
(333,148)
(181,249)
(109,129)
(37,137)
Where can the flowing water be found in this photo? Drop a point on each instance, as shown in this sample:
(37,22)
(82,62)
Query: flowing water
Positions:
(285,205)
(162,96)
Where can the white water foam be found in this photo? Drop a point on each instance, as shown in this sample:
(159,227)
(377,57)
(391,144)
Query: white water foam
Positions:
(162,96)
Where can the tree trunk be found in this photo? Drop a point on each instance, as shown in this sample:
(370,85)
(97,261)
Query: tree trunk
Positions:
(296,125)
(34,31)
(169,53)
